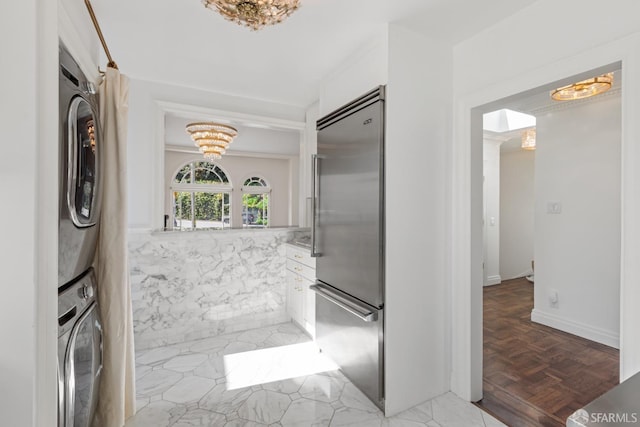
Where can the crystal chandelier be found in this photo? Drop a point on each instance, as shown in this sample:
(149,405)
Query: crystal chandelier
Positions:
(584,88)
(213,139)
(254,14)
(528,139)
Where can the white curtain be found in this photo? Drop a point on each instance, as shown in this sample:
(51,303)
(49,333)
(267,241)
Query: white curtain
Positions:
(116,400)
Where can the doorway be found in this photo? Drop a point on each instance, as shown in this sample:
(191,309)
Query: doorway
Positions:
(576,244)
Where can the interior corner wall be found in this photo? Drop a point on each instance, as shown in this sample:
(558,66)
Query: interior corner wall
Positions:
(492,220)
(239,168)
(365,69)
(417,135)
(76,31)
(577,250)
(517,201)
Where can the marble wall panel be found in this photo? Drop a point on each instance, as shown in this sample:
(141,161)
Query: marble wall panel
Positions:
(191,285)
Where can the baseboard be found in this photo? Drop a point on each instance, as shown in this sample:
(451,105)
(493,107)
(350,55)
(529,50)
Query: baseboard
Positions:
(576,328)
(493,280)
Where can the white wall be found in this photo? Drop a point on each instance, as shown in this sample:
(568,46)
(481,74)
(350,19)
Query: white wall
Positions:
(365,70)
(577,251)
(516,213)
(280,174)
(418,130)
(77,33)
(492,220)
(28,247)
(483,75)
(308,147)
(145,176)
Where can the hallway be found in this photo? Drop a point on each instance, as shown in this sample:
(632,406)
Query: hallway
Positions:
(534,375)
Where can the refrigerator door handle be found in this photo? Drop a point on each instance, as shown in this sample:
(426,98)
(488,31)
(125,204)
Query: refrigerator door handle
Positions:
(314,201)
(357,309)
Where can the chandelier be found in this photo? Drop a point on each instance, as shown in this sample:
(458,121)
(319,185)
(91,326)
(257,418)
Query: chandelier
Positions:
(254,14)
(584,88)
(528,139)
(213,139)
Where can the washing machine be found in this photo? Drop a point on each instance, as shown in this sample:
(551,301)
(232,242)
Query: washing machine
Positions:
(80,168)
(79,352)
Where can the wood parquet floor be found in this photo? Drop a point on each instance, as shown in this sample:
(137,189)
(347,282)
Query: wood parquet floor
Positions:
(534,375)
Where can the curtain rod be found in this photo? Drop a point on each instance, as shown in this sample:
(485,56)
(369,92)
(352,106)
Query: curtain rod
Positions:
(111,62)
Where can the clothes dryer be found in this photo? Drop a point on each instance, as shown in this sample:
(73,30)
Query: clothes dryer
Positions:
(79,191)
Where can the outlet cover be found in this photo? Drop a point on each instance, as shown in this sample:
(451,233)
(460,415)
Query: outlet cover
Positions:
(554,208)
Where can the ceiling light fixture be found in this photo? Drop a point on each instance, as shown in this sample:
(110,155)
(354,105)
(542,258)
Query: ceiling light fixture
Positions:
(254,14)
(528,139)
(213,139)
(584,88)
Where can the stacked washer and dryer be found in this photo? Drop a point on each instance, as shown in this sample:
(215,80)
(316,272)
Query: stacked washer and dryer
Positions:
(79,327)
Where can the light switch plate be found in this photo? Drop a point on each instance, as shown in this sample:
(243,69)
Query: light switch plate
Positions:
(554,208)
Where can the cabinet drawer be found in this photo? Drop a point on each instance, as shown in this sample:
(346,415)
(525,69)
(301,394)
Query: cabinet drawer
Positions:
(301,269)
(301,255)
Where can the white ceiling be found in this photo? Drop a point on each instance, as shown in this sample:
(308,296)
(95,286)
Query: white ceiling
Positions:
(250,139)
(182,43)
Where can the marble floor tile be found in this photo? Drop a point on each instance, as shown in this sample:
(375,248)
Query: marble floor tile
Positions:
(322,388)
(244,423)
(489,421)
(209,344)
(219,399)
(269,377)
(451,411)
(238,347)
(156,382)
(189,389)
(264,406)
(254,336)
(305,413)
(142,370)
(157,414)
(350,417)
(156,355)
(420,413)
(354,398)
(289,386)
(201,418)
(186,362)
(399,422)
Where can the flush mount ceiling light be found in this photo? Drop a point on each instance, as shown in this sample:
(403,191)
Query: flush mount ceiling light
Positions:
(529,139)
(213,139)
(254,14)
(584,89)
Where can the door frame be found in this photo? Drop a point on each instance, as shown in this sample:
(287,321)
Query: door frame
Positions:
(466,206)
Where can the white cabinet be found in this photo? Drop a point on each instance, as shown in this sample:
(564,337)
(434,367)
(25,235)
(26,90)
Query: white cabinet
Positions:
(301,301)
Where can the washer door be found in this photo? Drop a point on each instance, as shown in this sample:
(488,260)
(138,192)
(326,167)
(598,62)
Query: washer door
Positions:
(83,366)
(83,165)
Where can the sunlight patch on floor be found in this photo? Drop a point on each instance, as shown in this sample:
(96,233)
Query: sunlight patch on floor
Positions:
(274,364)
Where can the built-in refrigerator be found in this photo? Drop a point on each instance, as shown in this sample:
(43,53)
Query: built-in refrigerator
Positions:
(348,240)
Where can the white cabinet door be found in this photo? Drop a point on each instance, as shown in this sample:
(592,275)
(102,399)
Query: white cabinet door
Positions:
(295,305)
(301,301)
(309,312)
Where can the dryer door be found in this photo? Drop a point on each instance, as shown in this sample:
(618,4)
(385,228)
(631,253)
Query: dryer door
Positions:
(83,165)
(83,367)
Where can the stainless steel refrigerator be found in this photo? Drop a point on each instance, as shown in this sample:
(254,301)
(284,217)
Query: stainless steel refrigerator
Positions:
(348,240)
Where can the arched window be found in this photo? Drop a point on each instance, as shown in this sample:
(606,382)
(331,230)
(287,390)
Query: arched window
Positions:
(201,196)
(255,202)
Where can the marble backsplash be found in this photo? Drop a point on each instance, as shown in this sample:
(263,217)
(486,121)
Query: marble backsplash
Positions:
(191,285)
